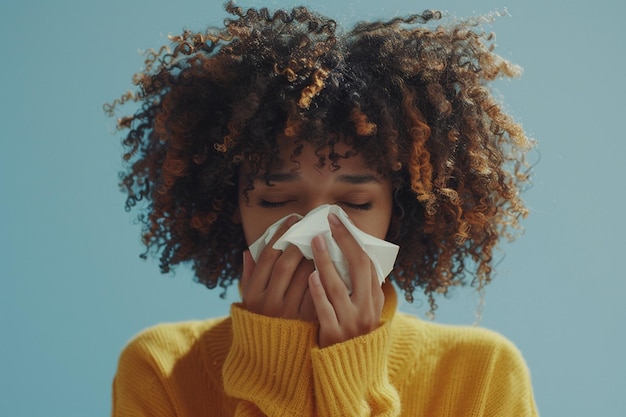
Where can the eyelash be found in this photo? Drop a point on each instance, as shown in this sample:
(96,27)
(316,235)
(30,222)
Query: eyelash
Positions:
(271,204)
(359,207)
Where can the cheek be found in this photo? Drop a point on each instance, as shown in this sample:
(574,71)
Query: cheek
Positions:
(381,225)
(251,232)
(255,222)
(249,226)
(252,227)
(375,223)
(380,219)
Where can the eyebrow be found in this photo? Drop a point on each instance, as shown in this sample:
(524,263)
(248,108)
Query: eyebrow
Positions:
(354,179)
(358,179)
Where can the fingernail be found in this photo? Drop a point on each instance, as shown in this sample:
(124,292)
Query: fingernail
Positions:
(333,219)
(319,243)
(315,278)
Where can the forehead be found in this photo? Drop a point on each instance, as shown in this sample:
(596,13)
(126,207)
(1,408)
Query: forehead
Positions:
(335,153)
(307,161)
(330,155)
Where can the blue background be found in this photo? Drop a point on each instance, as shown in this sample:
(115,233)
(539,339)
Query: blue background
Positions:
(73,290)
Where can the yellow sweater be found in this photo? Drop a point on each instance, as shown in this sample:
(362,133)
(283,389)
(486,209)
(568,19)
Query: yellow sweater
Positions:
(252,365)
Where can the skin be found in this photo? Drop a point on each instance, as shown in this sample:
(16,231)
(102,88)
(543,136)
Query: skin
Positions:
(285,284)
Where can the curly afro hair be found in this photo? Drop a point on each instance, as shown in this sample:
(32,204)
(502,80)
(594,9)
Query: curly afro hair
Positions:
(411,98)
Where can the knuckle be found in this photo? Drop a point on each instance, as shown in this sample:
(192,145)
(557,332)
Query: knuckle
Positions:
(283,266)
(336,288)
(267,255)
(368,320)
(363,322)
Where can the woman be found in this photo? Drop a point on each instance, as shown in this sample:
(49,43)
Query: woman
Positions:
(274,116)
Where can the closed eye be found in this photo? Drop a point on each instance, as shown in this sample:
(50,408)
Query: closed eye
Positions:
(272,204)
(352,206)
(361,207)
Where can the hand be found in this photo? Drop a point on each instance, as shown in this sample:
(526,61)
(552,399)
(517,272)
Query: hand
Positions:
(277,284)
(343,316)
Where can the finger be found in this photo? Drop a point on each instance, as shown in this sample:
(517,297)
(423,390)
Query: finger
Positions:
(283,273)
(298,285)
(378,296)
(265,263)
(307,307)
(334,287)
(375,282)
(359,261)
(323,308)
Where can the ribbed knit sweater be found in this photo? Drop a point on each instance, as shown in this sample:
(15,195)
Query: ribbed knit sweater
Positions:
(252,365)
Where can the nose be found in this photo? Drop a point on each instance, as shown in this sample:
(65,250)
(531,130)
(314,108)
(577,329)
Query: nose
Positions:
(315,202)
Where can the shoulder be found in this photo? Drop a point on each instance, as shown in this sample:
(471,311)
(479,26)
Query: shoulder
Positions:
(456,343)
(160,346)
(161,365)
(459,368)
(450,334)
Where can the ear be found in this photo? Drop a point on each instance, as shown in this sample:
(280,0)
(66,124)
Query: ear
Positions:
(236,217)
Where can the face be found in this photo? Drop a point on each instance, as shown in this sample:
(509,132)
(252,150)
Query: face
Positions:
(363,194)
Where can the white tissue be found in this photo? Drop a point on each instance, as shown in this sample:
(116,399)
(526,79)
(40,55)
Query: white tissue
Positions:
(382,253)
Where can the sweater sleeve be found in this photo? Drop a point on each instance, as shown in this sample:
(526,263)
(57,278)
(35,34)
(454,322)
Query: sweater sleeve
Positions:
(268,367)
(351,378)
